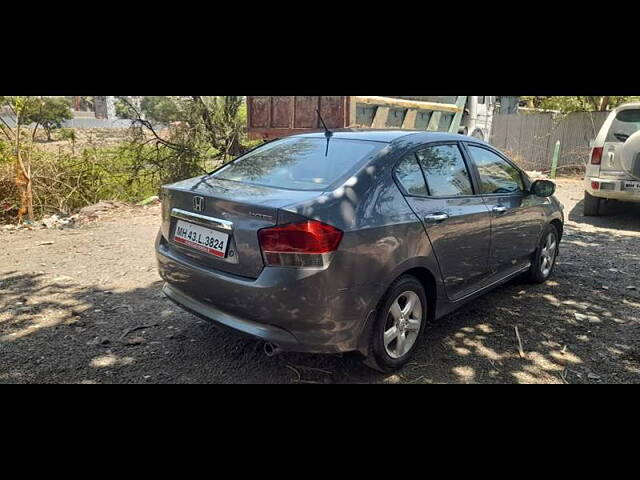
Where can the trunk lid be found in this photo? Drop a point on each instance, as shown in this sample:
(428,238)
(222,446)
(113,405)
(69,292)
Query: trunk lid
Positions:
(233,208)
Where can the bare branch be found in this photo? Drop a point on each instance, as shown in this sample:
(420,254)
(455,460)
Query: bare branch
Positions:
(147,124)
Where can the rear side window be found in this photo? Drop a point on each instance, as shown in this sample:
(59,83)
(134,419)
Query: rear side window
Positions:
(626,123)
(496,174)
(409,174)
(299,163)
(445,171)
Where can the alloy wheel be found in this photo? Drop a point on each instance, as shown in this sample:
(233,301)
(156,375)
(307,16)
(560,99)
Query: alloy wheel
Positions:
(548,254)
(403,324)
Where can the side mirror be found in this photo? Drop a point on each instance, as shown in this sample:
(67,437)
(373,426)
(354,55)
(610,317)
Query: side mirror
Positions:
(543,188)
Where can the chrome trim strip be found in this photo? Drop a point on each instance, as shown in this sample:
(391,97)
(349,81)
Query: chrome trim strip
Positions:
(202,219)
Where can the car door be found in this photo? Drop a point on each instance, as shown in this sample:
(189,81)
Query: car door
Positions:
(438,187)
(517,217)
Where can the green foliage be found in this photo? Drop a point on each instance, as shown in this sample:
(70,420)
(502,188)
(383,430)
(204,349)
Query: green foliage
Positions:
(568,104)
(202,133)
(48,112)
(51,114)
(68,134)
(157,109)
(165,110)
(5,153)
(65,182)
(122,110)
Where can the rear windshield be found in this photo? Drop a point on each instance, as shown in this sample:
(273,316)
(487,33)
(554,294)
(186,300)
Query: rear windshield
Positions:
(626,123)
(298,163)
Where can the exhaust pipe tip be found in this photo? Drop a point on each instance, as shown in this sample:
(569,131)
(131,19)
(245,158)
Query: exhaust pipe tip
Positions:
(271,349)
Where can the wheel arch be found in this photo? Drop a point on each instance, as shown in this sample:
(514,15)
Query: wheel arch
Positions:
(428,281)
(559,226)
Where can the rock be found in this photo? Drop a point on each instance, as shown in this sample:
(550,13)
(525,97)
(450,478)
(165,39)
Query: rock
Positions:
(50,222)
(58,221)
(135,341)
(593,376)
(631,287)
(50,242)
(98,208)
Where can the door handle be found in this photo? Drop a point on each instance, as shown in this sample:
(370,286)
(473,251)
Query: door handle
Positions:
(436,217)
(499,210)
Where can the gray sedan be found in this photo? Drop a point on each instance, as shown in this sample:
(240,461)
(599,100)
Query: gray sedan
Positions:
(353,240)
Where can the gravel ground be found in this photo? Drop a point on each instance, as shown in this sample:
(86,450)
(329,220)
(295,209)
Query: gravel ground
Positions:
(74,309)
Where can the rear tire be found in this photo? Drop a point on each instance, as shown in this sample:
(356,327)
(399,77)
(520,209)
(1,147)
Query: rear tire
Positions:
(398,326)
(546,254)
(592,206)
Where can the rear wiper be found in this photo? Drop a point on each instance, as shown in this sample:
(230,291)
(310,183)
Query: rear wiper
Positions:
(621,136)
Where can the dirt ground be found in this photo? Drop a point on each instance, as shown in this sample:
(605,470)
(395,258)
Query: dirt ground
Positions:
(74,308)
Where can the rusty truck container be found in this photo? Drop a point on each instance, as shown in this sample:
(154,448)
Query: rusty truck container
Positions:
(271,117)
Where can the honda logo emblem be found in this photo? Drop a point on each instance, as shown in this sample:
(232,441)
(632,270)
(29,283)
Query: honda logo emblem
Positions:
(198,204)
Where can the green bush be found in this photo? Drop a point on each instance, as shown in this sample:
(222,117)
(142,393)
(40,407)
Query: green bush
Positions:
(130,172)
(68,134)
(205,132)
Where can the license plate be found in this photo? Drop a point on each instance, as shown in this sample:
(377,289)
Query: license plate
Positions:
(201,238)
(632,185)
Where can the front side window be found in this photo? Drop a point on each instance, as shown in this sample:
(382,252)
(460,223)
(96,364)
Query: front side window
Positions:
(496,174)
(299,163)
(410,176)
(445,171)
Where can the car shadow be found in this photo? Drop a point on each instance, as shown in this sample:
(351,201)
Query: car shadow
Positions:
(581,326)
(616,215)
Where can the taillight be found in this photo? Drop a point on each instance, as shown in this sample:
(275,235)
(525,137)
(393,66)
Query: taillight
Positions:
(596,156)
(304,244)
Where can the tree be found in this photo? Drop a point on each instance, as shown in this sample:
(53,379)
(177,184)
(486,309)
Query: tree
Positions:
(165,110)
(203,123)
(26,115)
(48,112)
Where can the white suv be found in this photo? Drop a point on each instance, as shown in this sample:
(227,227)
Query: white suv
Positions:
(613,172)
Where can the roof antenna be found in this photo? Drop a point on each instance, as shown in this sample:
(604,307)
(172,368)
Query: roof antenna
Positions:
(327,133)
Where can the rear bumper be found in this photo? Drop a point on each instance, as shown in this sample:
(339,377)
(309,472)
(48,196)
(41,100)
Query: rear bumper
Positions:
(267,333)
(613,189)
(297,309)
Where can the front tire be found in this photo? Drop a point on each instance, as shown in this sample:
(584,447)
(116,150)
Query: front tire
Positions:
(545,257)
(592,206)
(399,323)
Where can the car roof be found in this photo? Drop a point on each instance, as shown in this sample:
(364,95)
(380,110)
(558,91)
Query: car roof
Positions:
(389,136)
(627,106)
